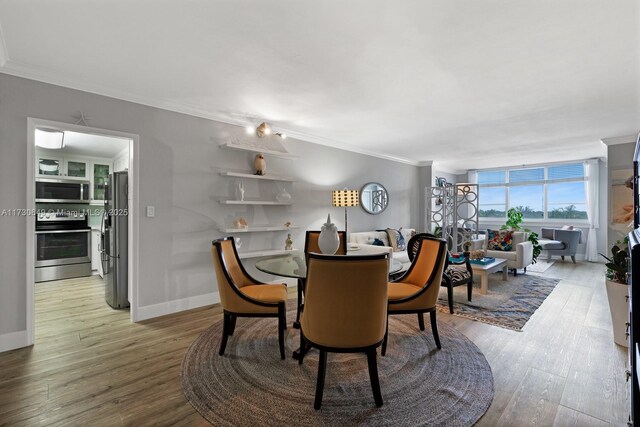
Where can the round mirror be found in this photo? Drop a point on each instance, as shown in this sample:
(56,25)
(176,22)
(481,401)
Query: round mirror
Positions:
(374,198)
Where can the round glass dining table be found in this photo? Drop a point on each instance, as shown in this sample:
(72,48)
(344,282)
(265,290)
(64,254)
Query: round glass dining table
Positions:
(294,265)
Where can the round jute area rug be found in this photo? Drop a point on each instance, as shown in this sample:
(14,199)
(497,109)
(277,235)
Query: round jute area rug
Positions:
(421,385)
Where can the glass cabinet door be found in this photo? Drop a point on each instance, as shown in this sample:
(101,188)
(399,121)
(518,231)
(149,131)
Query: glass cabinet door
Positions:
(100,177)
(76,168)
(49,166)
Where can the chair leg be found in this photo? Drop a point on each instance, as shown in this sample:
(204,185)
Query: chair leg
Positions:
(434,329)
(469,291)
(322,368)
(562,256)
(232,324)
(296,324)
(386,336)
(515,272)
(373,376)
(450,297)
(282,324)
(225,333)
(573,258)
(421,321)
(301,349)
(525,270)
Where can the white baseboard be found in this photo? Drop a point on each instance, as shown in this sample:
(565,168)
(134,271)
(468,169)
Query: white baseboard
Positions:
(13,340)
(174,306)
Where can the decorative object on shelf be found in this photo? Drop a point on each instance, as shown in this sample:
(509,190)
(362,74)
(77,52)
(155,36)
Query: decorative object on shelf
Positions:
(239,191)
(260,164)
(374,198)
(240,223)
(329,241)
(287,224)
(288,243)
(283,196)
(238,242)
(264,129)
(617,280)
(344,198)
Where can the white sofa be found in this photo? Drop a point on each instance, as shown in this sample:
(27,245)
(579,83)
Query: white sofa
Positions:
(520,255)
(364,241)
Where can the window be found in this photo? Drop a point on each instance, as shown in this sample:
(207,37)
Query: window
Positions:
(540,193)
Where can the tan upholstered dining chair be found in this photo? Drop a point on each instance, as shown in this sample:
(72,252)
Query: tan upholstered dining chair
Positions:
(243,296)
(417,290)
(311,245)
(345,311)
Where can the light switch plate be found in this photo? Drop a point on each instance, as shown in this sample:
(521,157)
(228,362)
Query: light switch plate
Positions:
(151,211)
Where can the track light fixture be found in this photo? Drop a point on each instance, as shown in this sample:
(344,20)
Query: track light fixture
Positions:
(264,129)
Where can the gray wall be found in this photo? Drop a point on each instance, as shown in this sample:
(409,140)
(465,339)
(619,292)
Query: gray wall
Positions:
(179,163)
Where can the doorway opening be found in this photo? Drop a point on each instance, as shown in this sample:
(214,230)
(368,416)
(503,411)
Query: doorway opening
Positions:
(82,227)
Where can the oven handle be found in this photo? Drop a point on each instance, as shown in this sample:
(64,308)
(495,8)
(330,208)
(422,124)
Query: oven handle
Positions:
(63,231)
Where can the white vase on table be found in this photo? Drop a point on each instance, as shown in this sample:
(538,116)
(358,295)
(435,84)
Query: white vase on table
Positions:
(329,241)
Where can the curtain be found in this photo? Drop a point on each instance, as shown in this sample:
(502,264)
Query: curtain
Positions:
(591,185)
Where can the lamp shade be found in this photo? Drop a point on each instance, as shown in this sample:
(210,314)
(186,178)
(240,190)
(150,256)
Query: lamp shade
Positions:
(344,198)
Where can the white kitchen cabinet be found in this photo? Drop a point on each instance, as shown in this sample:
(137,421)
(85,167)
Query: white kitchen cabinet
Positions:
(96,265)
(49,166)
(100,171)
(75,168)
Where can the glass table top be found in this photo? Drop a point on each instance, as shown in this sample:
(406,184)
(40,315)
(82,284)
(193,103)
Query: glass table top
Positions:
(294,265)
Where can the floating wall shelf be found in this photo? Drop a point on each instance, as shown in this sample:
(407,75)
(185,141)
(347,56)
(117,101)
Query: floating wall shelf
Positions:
(251,176)
(258,149)
(253,202)
(257,229)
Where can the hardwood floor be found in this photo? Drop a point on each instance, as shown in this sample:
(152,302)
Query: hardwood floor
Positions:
(91,366)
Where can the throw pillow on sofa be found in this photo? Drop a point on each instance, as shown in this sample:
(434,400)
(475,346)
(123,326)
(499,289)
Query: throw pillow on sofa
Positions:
(499,240)
(396,240)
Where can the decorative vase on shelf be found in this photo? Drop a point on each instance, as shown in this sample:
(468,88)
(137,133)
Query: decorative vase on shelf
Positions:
(283,196)
(329,241)
(288,243)
(260,164)
(239,191)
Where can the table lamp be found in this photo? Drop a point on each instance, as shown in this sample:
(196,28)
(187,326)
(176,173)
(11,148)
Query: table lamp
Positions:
(345,198)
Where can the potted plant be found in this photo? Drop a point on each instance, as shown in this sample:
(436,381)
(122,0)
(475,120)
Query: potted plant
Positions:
(618,290)
(514,219)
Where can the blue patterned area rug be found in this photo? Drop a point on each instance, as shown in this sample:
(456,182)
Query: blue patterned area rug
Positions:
(508,304)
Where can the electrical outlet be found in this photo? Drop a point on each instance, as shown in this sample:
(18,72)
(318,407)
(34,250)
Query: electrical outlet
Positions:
(151,211)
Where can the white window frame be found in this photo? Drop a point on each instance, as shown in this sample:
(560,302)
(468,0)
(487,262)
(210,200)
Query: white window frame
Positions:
(545,183)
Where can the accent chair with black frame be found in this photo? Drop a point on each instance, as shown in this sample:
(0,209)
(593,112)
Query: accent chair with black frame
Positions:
(243,296)
(345,311)
(311,245)
(456,273)
(416,292)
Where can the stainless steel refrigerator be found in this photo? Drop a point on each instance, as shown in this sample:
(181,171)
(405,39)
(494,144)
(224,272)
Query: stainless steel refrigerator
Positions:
(114,245)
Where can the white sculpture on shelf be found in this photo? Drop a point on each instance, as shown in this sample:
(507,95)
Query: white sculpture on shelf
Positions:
(329,241)
(240,191)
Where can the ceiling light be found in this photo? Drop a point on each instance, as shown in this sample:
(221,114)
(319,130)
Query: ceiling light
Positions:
(265,129)
(49,138)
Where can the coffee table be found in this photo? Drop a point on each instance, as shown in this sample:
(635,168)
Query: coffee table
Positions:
(484,270)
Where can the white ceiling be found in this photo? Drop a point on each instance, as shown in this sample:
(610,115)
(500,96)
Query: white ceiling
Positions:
(89,145)
(465,83)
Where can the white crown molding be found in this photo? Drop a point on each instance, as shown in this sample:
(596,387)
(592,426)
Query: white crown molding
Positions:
(439,168)
(425,163)
(55,78)
(619,140)
(4,54)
